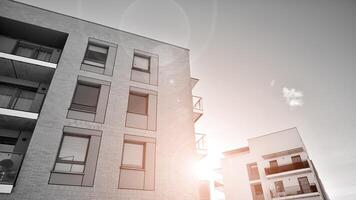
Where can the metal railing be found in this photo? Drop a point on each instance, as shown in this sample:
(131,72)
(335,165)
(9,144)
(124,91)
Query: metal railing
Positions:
(10,164)
(20,99)
(293,190)
(200,141)
(285,168)
(197,103)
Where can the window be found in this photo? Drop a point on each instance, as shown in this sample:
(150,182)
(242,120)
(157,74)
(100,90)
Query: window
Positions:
(273,163)
(279,186)
(76,158)
(138,103)
(258,189)
(133,156)
(17,98)
(304,185)
(96,55)
(141,63)
(86,97)
(296,159)
(72,154)
(253,171)
(89,100)
(7,144)
(33,51)
(137,169)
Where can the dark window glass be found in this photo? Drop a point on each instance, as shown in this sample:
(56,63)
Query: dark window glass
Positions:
(72,154)
(85,98)
(96,55)
(304,185)
(279,186)
(141,63)
(138,103)
(7,144)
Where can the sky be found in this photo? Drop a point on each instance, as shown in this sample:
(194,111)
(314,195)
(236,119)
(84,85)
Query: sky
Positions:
(263,66)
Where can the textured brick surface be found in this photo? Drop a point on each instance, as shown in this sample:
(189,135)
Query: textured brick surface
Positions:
(175,129)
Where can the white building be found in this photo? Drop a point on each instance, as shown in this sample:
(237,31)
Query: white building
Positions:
(273,166)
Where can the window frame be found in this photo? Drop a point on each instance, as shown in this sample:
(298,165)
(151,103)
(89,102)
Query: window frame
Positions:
(75,92)
(148,70)
(99,63)
(71,162)
(146,96)
(134,167)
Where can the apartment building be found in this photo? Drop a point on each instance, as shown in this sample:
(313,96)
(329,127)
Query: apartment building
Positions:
(91,112)
(274,166)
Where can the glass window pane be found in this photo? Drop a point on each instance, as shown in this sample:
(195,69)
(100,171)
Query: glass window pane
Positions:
(138,103)
(73,148)
(141,62)
(44,56)
(6,93)
(86,97)
(24,100)
(24,51)
(133,155)
(96,55)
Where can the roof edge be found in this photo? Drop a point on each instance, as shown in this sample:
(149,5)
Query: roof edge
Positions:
(96,23)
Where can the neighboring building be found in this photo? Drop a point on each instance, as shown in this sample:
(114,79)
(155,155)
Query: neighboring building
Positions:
(274,166)
(92,112)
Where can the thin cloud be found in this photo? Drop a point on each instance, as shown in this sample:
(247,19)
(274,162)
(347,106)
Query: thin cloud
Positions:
(293,97)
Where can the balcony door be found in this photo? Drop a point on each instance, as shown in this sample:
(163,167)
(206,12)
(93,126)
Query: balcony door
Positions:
(304,185)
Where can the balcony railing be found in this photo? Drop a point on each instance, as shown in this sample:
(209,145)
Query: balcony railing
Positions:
(10,164)
(197,103)
(285,168)
(16,49)
(15,98)
(200,141)
(294,190)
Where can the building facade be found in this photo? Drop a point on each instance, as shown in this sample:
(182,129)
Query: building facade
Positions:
(274,166)
(92,112)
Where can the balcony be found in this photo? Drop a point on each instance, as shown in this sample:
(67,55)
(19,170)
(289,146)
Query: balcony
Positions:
(197,108)
(286,168)
(37,45)
(21,100)
(293,192)
(201,144)
(10,164)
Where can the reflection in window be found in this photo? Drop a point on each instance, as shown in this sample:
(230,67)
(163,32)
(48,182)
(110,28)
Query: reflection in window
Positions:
(138,103)
(85,98)
(72,154)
